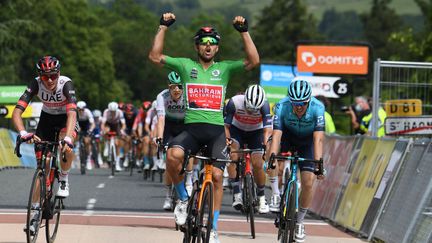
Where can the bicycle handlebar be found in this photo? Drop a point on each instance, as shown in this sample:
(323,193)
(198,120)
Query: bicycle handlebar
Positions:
(209,160)
(19,142)
(297,159)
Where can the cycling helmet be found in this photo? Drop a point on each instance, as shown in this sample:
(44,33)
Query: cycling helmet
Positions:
(299,90)
(146,105)
(113,106)
(174,78)
(97,113)
(129,108)
(206,31)
(81,104)
(48,64)
(254,97)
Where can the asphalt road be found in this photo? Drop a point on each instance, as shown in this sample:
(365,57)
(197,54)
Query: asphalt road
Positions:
(108,207)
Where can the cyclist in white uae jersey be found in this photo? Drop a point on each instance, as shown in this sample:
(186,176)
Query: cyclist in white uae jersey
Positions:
(113,120)
(58,111)
(248,121)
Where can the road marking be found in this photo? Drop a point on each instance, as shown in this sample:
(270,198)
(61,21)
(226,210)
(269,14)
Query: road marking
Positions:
(90,205)
(110,177)
(102,185)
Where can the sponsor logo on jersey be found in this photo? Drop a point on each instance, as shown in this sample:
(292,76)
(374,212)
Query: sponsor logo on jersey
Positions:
(216,75)
(194,73)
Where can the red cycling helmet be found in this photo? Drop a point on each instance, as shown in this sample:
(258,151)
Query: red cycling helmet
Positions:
(48,64)
(146,105)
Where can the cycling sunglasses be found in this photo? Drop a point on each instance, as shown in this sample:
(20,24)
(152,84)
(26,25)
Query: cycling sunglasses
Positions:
(52,76)
(300,103)
(208,39)
(173,86)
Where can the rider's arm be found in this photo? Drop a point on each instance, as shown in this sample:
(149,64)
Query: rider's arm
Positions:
(91,120)
(275,144)
(318,138)
(22,104)
(122,121)
(229,110)
(71,108)
(267,121)
(155,54)
(252,56)
(160,111)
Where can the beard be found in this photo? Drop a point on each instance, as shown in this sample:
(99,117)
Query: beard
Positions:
(204,58)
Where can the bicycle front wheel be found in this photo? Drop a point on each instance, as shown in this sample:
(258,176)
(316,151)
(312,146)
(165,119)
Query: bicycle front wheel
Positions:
(288,216)
(205,216)
(83,157)
(250,202)
(34,206)
(52,222)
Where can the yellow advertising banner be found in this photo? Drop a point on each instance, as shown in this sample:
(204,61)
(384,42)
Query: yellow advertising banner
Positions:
(7,158)
(26,114)
(364,181)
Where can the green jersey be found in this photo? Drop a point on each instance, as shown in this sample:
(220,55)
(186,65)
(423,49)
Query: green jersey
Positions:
(204,91)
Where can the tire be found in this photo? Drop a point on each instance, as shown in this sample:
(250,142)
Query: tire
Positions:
(132,160)
(189,229)
(83,157)
(204,220)
(112,160)
(291,216)
(37,187)
(51,225)
(250,202)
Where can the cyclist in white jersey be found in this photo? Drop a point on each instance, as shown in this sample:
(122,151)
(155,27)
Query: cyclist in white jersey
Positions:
(248,121)
(150,127)
(170,110)
(58,111)
(113,120)
(86,124)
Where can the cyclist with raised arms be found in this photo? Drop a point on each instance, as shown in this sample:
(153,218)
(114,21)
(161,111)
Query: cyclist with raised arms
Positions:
(299,124)
(113,121)
(205,82)
(58,110)
(170,110)
(86,124)
(248,121)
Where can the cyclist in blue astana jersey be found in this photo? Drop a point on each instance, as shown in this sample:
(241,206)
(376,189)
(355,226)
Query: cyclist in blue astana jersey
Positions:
(299,124)
(205,82)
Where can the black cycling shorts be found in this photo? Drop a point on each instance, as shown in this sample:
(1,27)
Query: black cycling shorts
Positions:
(197,135)
(304,151)
(172,130)
(253,139)
(48,123)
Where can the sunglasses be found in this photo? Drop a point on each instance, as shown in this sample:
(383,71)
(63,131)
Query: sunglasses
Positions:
(301,103)
(213,41)
(46,77)
(173,86)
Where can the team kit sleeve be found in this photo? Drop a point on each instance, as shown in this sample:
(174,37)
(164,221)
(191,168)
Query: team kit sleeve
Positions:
(230,111)
(277,118)
(176,64)
(31,90)
(319,116)
(69,93)
(89,115)
(160,105)
(266,115)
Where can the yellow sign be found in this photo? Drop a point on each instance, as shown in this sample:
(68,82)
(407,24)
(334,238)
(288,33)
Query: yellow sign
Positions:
(26,114)
(364,181)
(7,158)
(407,107)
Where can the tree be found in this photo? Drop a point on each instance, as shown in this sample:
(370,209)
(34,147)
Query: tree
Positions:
(280,26)
(341,26)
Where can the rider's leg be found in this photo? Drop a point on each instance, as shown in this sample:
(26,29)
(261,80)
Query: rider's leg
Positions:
(174,163)
(218,194)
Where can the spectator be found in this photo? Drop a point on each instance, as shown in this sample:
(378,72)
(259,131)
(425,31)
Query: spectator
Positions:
(329,124)
(360,109)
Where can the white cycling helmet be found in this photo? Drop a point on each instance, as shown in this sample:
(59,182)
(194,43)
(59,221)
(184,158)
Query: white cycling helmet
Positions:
(254,97)
(113,106)
(97,113)
(81,104)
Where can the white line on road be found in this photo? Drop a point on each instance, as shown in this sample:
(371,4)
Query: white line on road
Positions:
(90,205)
(102,185)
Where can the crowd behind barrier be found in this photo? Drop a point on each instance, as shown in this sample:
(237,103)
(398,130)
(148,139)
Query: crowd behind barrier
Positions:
(379,188)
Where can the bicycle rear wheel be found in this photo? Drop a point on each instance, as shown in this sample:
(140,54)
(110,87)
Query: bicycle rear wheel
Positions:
(111,159)
(250,202)
(83,157)
(205,216)
(52,221)
(34,206)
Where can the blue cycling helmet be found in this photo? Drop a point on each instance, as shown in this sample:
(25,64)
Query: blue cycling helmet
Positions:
(299,90)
